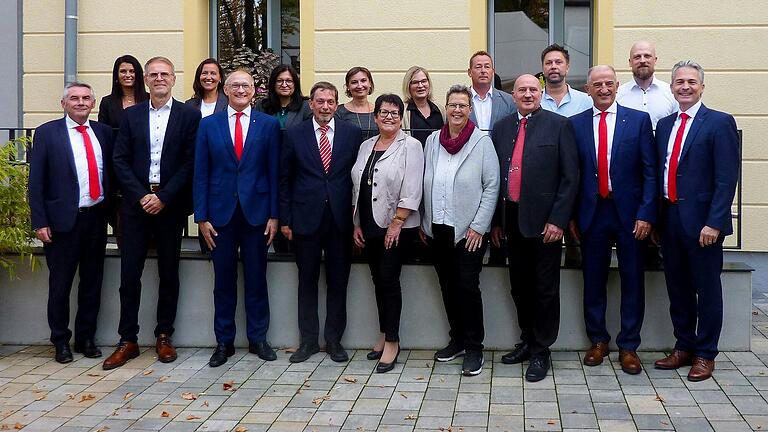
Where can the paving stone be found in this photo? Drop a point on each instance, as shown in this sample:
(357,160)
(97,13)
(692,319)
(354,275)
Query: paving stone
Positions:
(612,411)
(724,411)
(579,421)
(653,422)
(472,402)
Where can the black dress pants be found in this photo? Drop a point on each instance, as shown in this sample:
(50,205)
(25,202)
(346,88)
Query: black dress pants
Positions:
(83,246)
(534,278)
(138,227)
(458,271)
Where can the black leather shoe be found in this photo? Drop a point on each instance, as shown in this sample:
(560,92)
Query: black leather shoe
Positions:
(537,369)
(336,352)
(63,353)
(374,355)
(382,367)
(304,352)
(88,348)
(263,350)
(222,353)
(520,354)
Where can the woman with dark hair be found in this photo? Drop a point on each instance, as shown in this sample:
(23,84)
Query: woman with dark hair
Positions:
(127,90)
(387,189)
(358,85)
(284,100)
(209,95)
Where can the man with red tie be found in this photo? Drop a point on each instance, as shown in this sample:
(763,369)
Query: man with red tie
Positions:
(540,171)
(617,205)
(69,178)
(316,213)
(698,151)
(236,207)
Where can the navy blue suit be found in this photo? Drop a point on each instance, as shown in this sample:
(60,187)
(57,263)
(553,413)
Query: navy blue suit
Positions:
(604,222)
(706,183)
(78,235)
(318,208)
(237,198)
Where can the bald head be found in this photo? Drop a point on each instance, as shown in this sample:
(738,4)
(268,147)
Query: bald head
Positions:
(239,89)
(642,60)
(527,94)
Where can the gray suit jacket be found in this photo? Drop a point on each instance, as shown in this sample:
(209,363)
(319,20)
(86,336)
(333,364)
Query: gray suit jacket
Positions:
(502,105)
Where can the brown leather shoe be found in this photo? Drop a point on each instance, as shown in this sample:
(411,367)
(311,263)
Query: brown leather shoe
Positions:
(630,362)
(701,369)
(124,352)
(677,359)
(166,353)
(595,354)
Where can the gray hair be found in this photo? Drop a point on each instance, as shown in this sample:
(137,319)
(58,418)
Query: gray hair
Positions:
(160,59)
(597,67)
(688,64)
(74,84)
(460,89)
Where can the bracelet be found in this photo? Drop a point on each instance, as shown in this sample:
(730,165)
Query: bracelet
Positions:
(400,218)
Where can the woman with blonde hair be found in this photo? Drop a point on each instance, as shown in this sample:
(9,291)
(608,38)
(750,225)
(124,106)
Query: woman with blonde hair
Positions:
(422,116)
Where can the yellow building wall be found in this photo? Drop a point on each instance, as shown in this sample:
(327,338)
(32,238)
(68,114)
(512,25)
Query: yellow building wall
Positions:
(727,39)
(177,29)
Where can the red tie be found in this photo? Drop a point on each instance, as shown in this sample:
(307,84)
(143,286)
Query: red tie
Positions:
(674,159)
(325,148)
(602,156)
(238,136)
(516,164)
(93,170)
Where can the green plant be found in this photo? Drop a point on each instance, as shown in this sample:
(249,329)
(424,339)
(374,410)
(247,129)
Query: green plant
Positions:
(16,235)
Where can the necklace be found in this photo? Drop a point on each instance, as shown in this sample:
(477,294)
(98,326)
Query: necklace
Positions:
(375,156)
(360,123)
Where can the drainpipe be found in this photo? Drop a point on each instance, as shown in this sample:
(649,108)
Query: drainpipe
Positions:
(70,41)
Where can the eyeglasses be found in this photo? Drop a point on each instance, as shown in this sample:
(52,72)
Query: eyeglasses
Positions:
(284,82)
(155,75)
(423,82)
(237,86)
(454,106)
(385,113)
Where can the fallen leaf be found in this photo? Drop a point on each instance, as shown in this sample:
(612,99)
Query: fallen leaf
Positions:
(93,375)
(442,379)
(165,414)
(360,429)
(664,423)
(319,400)
(350,379)
(103,429)
(18,426)
(419,378)
(192,417)
(70,396)
(659,398)
(205,404)
(40,397)
(148,372)
(128,396)
(4,427)
(403,395)
(188,396)
(163,378)
(551,422)
(410,417)
(86,397)
(229,386)
(241,429)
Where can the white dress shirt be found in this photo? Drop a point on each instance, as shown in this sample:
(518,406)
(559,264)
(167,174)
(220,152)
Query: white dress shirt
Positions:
(483,108)
(206,108)
(610,121)
(77,143)
(329,134)
(692,111)
(158,123)
(245,121)
(657,101)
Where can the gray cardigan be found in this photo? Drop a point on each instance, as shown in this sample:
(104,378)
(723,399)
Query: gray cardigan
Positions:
(475,186)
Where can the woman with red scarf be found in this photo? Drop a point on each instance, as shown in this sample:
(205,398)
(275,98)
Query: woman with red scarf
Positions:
(461,184)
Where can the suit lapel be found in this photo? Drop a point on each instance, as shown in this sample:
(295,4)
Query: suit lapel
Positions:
(312,147)
(618,132)
(226,138)
(698,121)
(250,138)
(68,148)
(173,124)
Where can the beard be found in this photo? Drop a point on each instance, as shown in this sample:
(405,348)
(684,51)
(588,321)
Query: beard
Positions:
(557,79)
(643,72)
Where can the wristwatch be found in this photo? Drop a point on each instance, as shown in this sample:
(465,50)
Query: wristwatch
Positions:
(400,218)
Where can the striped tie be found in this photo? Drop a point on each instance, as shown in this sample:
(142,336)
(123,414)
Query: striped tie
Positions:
(325,148)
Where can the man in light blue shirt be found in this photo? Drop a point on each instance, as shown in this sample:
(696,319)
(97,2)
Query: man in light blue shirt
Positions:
(558,96)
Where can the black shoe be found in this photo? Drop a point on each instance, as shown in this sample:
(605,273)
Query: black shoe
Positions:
(382,367)
(537,369)
(374,355)
(221,354)
(63,353)
(263,350)
(304,352)
(473,363)
(453,350)
(88,348)
(520,354)
(336,352)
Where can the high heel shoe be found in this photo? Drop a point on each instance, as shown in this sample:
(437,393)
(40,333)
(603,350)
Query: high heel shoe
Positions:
(382,367)
(374,355)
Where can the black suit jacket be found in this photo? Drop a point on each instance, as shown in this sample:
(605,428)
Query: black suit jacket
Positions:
(550,170)
(304,185)
(221,103)
(131,157)
(54,192)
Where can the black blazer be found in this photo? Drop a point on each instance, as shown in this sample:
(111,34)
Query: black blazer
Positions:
(221,102)
(304,185)
(131,156)
(550,177)
(110,111)
(292,118)
(54,192)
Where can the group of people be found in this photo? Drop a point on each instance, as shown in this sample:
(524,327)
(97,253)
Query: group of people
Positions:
(615,166)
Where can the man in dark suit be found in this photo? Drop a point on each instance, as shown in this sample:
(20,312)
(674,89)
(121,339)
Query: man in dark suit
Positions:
(698,153)
(617,204)
(536,200)
(70,163)
(236,207)
(316,213)
(154,158)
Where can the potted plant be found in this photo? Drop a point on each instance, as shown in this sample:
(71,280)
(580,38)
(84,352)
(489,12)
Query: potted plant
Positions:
(16,235)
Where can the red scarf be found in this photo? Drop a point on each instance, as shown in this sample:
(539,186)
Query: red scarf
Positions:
(454,145)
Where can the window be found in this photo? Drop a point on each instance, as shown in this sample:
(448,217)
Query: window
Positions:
(521,29)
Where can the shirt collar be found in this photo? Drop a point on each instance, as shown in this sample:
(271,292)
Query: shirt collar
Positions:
(475,95)
(71,124)
(231,111)
(331,124)
(566,97)
(168,104)
(655,83)
(611,109)
(692,111)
